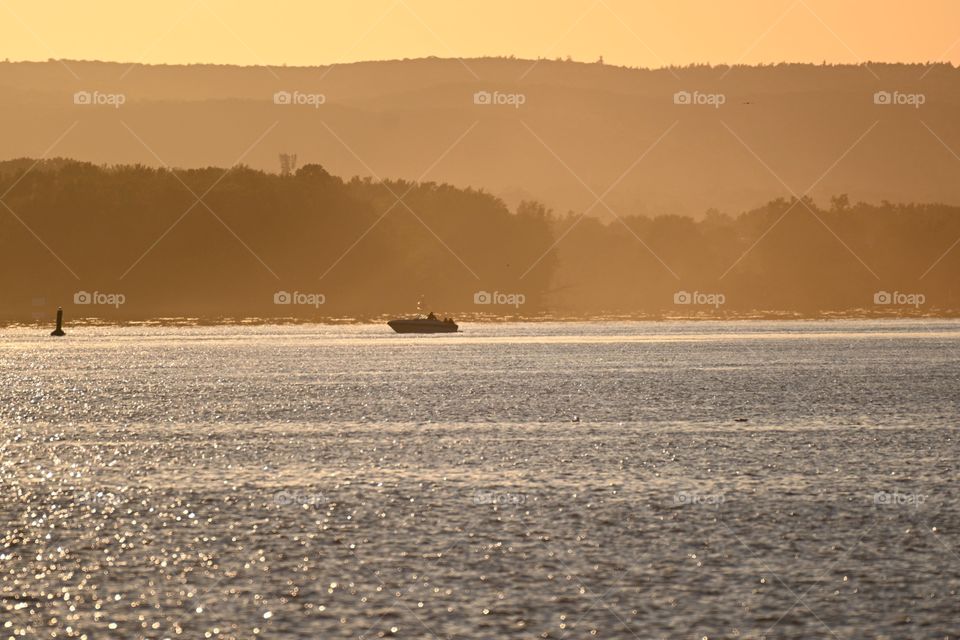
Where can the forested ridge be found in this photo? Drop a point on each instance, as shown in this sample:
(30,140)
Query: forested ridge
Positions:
(215,243)
(398,117)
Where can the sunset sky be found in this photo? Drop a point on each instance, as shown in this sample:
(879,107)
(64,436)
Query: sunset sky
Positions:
(625,32)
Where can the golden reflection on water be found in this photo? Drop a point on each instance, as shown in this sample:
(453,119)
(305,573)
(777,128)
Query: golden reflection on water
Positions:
(89,339)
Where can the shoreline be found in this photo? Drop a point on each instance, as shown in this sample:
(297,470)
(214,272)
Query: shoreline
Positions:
(186,321)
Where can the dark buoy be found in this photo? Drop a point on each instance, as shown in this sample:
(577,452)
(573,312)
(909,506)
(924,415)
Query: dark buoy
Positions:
(59,330)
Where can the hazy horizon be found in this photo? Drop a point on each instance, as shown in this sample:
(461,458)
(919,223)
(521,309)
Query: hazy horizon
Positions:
(648,34)
(866,64)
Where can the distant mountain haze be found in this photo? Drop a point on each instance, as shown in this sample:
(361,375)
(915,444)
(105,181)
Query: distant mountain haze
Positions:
(561,133)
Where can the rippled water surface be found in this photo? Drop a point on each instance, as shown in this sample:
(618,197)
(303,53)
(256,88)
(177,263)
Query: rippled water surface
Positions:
(578,480)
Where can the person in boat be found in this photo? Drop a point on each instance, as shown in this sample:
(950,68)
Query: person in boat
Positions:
(431,316)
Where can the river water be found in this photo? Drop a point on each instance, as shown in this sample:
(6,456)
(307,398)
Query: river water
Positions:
(542,480)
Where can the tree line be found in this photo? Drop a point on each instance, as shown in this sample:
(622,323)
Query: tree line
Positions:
(135,242)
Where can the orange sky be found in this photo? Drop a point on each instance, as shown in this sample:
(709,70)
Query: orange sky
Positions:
(635,33)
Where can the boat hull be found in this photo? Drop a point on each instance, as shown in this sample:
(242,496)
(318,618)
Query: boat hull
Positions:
(422,326)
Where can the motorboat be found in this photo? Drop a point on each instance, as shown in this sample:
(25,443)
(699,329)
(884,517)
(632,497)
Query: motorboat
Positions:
(424,324)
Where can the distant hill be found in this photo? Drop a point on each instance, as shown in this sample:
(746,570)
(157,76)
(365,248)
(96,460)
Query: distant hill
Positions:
(579,130)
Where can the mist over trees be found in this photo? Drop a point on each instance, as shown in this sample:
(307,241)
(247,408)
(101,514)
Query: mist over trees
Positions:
(141,232)
(788,256)
(215,243)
